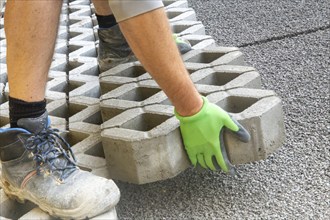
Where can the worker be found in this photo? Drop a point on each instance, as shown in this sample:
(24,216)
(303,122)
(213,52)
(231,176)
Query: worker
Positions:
(37,163)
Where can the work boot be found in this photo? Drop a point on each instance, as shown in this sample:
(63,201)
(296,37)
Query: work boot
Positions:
(38,165)
(114,49)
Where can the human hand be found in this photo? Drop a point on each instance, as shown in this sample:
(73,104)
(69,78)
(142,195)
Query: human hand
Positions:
(201,135)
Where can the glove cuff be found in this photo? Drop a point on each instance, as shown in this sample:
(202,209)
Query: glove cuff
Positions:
(195,117)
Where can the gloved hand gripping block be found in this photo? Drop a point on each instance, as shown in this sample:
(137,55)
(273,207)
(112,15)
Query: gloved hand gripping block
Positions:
(144,145)
(260,112)
(145,135)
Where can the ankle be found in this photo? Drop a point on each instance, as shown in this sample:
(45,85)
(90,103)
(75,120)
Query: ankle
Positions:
(106,21)
(21,109)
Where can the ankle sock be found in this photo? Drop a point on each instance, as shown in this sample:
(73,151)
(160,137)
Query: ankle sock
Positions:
(21,109)
(106,21)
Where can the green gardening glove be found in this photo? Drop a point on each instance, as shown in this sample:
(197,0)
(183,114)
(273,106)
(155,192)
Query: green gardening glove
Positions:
(202,135)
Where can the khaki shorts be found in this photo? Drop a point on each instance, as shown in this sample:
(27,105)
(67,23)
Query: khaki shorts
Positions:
(124,9)
(1,5)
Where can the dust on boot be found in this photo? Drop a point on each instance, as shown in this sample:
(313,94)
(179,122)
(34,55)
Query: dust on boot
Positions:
(38,165)
(114,49)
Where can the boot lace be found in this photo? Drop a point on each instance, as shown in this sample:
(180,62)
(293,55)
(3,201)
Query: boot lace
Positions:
(47,149)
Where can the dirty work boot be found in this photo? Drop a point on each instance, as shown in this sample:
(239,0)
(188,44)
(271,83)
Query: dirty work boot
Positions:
(114,49)
(38,165)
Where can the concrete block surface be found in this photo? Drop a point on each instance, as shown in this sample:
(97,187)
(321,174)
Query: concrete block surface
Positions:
(89,89)
(130,96)
(78,10)
(149,138)
(3,73)
(82,48)
(175,4)
(83,66)
(136,94)
(79,3)
(2,93)
(56,88)
(60,49)
(214,56)
(199,41)
(59,65)
(225,77)
(122,74)
(182,28)
(180,14)
(36,214)
(260,112)
(4,108)
(111,215)
(62,33)
(12,209)
(80,109)
(81,34)
(80,21)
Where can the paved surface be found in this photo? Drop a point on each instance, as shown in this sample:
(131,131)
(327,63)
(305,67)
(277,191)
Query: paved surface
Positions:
(288,42)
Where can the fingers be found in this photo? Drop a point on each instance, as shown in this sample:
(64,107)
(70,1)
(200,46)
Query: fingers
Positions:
(206,161)
(234,126)
(193,159)
(221,161)
(230,124)
(209,162)
(200,159)
(242,133)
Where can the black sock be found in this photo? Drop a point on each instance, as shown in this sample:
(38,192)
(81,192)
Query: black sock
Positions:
(20,109)
(106,21)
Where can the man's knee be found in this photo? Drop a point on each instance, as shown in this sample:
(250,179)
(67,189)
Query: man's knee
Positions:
(123,9)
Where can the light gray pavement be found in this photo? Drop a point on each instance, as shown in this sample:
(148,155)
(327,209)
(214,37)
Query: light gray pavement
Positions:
(288,43)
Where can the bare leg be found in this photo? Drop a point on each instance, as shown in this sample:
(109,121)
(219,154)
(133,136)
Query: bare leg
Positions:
(162,60)
(31,28)
(102,7)
(50,178)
